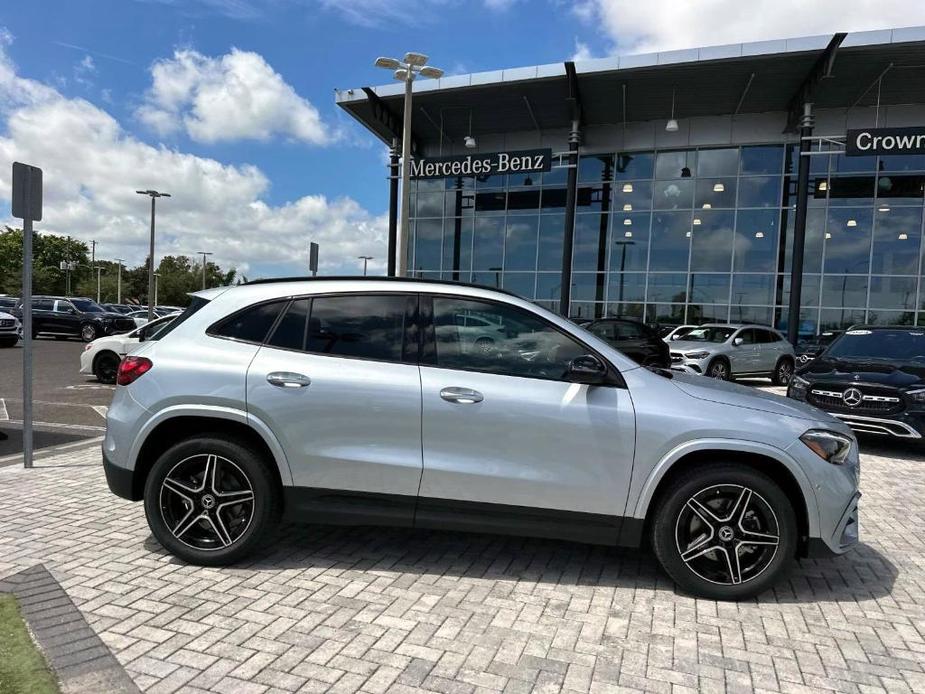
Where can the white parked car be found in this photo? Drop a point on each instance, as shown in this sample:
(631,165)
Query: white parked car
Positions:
(10,329)
(102,356)
(678,333)
(140,317)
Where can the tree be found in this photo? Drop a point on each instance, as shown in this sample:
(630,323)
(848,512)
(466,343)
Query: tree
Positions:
(48,252)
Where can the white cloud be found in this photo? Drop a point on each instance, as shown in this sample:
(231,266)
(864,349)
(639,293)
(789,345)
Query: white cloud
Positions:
(84,71)
(582,51)
(92,168)
(657,25)
(235,97)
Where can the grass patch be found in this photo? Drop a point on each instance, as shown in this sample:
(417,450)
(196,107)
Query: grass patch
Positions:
(22,665)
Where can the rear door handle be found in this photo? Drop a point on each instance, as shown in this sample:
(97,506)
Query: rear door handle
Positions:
(463,396)
(288,379)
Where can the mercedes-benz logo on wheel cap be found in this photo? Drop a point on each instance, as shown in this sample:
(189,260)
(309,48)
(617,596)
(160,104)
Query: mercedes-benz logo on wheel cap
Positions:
(852,397)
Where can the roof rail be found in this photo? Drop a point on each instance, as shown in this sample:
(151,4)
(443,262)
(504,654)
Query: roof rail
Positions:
(381,278)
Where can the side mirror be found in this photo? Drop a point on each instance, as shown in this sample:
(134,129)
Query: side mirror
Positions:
(738,341)
(587,369)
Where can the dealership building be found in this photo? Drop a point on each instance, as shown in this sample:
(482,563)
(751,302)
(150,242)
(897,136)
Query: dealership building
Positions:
(668,186)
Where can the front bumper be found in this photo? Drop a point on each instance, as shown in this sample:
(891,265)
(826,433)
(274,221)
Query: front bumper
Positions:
(907,424)
(845,536)
(691,366)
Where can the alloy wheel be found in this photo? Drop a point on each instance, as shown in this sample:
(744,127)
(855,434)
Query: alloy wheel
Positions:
(88,333)
(207,502)
(727,534)
(719,370)
(784,372)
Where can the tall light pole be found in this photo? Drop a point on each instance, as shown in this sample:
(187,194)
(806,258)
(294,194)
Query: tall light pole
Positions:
(406,70)
(204,254)
(99,269)
(119,281)
(365,259)
(151,282)
(150,305)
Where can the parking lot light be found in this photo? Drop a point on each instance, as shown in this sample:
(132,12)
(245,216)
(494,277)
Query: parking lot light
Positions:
(153,194)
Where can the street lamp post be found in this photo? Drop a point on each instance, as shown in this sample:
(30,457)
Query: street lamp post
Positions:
(99,270)
(406,70)
(119,281)
(204,254)
(153,194)
(150,305)
(365,259)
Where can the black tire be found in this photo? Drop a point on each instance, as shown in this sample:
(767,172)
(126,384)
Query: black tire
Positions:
(200,543)
(89,332)
(106,366)
(9,342)
(677,527)
(783,371)
(719,368)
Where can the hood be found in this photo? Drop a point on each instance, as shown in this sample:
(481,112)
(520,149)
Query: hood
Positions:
(5,315)
(725,393)
(895,374)
(692,346)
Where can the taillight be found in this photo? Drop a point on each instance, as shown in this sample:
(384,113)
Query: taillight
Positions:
(131,368)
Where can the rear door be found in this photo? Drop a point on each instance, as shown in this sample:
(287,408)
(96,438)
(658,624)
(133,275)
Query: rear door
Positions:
(337,381)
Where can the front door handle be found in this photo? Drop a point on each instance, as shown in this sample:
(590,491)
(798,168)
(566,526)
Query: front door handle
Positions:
(463,396)
(288,379)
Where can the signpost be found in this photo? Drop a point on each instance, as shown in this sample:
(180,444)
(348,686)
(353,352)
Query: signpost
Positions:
(27,206)
(492,164)
(313,258)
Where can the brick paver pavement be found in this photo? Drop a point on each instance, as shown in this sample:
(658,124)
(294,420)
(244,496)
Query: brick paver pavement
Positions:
(379,610)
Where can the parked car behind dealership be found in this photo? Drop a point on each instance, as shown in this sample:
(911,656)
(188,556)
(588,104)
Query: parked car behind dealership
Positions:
(812,347)
(726,352)
(872,378)
(355,401)
(10,329)
(102,356)
(74,316)
(634,338)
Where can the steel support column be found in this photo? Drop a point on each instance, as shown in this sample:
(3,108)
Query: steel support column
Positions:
(571,198)
(799,227)
(393,207)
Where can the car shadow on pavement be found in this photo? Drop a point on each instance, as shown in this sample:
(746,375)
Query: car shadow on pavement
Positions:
(862,574)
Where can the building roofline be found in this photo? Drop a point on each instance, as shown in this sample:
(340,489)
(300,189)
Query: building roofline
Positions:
(878,37)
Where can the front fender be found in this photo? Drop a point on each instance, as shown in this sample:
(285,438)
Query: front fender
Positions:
(675,456)
(214,412)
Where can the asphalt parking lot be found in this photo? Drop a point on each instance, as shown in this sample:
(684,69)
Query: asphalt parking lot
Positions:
(68,406)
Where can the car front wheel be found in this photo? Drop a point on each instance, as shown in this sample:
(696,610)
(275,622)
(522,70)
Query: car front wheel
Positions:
(106,366)
(724,532)
(719,368)
(211,501)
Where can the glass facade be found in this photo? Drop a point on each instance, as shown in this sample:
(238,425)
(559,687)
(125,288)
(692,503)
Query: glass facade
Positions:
(689,235)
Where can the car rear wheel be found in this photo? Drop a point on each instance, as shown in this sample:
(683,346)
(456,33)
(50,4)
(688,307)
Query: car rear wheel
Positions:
(211,501)
(783,372)
(106,366)
(724,532)
(88,332)
(719,368)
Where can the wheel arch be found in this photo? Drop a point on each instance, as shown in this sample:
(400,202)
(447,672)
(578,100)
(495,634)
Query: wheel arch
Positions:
(779,466)
(181,422)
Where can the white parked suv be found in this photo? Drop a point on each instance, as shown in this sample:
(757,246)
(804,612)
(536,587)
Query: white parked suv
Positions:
(361,402)
(102,356)
(10,329)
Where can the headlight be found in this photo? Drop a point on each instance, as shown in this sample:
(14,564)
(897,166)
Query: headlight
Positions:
(799,383)
(828,445)
(697,355)
(917,396)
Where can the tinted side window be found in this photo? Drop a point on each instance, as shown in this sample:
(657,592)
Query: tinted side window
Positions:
(630,331)
(748,337)
(766,336)
(361,326)
(517,343)
(291,330)
(251,324)
(605,331)
(43,304)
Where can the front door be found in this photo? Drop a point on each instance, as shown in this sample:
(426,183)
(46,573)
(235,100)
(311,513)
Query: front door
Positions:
(745,357)
(340,389)
(503,427)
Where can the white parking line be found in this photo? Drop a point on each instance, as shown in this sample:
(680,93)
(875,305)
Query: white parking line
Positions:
(4,415)
(58,425)
(101,410)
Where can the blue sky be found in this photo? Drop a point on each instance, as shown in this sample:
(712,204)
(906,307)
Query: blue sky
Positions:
(110,95)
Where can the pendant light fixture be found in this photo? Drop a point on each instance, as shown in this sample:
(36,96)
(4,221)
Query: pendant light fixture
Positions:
(672,125)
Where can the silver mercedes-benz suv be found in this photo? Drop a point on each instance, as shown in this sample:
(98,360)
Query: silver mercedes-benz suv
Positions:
(724,351)
(366,401)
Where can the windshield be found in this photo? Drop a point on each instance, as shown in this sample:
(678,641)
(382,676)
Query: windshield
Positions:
(889,345)
(708,334)
(87,306)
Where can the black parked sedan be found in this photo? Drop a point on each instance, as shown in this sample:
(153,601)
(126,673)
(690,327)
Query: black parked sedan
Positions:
(634,338)
(74,316)
(872,378)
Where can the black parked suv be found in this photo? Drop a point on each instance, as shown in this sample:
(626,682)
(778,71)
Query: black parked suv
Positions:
(872,378)
(634,338)
(75,316)
(812,347)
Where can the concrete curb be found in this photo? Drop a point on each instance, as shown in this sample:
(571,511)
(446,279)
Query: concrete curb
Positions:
(79,658)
